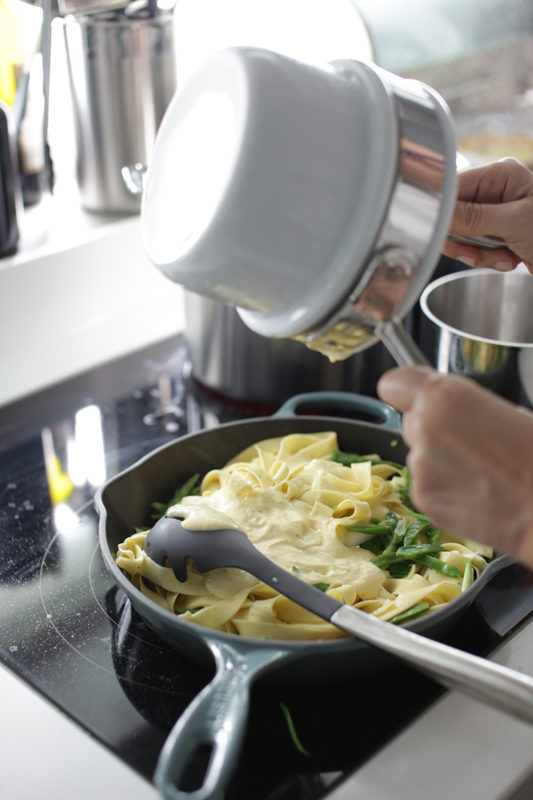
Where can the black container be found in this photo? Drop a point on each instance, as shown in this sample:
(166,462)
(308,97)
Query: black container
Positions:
(9,232)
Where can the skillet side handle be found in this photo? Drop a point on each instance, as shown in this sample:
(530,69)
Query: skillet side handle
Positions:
(215,720)
(322,402)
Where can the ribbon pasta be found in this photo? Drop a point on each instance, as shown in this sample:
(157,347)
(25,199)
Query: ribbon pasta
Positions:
(295,503)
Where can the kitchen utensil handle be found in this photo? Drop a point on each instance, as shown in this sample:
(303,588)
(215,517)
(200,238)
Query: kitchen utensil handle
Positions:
(493,684)
(215,722)
(341,401)
(483,242)
(400,344)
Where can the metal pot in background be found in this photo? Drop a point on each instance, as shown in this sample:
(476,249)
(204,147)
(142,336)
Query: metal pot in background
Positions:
(478,323)
(227,357)
(122,70)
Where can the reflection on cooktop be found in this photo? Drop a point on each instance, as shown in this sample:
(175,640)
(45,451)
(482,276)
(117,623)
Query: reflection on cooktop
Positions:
(74,636)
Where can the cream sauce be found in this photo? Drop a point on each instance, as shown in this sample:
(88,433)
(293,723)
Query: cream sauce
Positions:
(299,538)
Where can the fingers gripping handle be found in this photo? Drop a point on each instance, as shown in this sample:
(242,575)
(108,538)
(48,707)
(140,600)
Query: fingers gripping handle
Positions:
(215,720)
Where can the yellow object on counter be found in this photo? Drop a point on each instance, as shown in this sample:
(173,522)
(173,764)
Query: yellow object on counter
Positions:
(11,56)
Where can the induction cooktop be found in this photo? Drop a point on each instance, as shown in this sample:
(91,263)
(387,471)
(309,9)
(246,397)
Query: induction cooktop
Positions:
(72,634)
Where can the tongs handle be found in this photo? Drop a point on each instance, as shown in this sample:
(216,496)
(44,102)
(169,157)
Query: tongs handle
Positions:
(500,687)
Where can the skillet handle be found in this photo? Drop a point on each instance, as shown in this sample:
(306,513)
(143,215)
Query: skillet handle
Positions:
(216,721)
(322,402)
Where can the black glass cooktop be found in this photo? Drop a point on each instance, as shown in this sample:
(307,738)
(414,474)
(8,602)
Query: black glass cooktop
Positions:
(73,635)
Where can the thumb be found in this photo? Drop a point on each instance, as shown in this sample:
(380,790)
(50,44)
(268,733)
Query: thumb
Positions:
(399,387)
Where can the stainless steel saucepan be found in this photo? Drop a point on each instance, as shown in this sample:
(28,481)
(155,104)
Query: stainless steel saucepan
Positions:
(314,199)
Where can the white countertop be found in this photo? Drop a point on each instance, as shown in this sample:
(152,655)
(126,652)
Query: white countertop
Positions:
(79,292)
(47,756)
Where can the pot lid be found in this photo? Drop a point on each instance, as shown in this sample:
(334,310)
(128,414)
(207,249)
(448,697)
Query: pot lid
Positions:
(269,182)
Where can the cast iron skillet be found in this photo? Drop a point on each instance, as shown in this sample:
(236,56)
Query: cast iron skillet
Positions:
(217,716)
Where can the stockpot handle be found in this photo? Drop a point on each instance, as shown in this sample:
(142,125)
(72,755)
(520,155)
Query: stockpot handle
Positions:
(215,721)
(322,402)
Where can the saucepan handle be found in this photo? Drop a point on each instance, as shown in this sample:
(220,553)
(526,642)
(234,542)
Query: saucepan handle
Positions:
(342,401)
(400,344)
(214,723)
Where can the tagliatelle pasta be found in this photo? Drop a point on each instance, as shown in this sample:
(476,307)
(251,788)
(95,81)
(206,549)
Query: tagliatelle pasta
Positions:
(311,515)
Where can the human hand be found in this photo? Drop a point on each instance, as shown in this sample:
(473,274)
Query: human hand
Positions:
(495,199)
(470,457)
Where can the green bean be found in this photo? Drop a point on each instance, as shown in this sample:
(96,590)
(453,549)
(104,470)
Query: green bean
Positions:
(371,530)
(397,537)
(414,530)
(377,543)
(414,550)
(468,576)
(410,613)
(190,487)
(400,569)
(292,731)
(354,458)
(412,553)
(440,566)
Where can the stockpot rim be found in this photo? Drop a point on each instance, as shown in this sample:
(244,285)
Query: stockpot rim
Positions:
(471,274)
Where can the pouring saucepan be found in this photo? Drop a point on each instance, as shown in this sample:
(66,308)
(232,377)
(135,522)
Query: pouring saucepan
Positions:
(217,717)
(314,199)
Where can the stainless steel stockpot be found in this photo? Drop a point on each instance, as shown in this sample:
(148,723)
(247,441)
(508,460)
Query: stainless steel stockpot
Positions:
(478,323)
(122,75)
(313,199)
(230,359)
